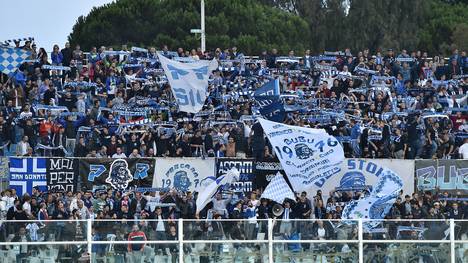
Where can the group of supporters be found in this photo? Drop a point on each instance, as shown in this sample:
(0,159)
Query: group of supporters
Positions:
(153,216)
(108,103)
(118,104)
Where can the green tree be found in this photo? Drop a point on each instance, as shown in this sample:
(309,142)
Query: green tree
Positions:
(441,21)
(460,36)
(245,23)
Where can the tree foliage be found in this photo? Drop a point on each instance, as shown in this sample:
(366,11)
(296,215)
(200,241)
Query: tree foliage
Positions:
(429,25)
(254,25)
(245,23)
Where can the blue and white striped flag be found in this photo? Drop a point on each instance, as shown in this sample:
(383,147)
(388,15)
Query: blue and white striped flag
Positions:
(11,58)
(278,190)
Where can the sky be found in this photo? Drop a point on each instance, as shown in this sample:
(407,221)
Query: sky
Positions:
(48,21)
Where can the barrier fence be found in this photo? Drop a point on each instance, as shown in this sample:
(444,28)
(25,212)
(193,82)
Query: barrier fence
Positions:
(226,240)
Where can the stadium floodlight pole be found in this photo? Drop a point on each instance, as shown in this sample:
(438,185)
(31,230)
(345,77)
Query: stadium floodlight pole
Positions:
(201,31)
(203,35)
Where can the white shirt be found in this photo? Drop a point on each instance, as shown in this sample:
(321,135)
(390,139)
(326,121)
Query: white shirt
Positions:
(220,205)
(24,114)
(160,225)
(247,130)
(116,155)
(9,202)
(22,148)
(27,208)
(33,231)
(153,201)
(321,233)
(464,150)
(286,214)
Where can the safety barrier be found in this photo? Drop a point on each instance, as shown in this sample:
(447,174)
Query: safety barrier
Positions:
(271,240)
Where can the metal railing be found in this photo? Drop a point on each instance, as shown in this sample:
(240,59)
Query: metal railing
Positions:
(272,238)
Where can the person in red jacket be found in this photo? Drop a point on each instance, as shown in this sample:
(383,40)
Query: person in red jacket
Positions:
(136,250)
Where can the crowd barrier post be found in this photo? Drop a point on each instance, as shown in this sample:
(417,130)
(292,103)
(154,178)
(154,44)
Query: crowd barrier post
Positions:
(452,241)
(89,237)
(270,240)
(181,241)
(361,245)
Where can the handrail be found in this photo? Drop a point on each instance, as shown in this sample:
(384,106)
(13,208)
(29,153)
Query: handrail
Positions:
(269,240)
(312,220)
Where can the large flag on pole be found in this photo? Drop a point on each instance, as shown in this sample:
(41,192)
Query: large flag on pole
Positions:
(189,81)
(205,196)
(278,190)
(11,58)
(308,156)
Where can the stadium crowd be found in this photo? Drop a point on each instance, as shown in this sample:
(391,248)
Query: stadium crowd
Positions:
(118,104)
(136,216)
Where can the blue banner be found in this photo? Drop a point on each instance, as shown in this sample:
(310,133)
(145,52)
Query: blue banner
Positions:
(26,173)
(271,108)
(270,88)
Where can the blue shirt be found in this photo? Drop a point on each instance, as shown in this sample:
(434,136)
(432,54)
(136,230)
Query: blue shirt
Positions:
(355,131)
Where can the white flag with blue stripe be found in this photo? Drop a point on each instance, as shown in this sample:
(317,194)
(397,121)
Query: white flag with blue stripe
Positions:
(11,58)
(189,81)
(205,196)
(278,190)
(378,203)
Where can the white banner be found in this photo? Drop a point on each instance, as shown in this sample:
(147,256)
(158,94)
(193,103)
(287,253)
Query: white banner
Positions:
(308,156)
(363,174)
(189,81)
(378,203)
(184,174)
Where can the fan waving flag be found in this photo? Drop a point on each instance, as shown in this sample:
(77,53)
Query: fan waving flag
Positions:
(269,102)
(208,193)
(378,203)
(189,81)
(278,190)
(308,156)
(11,58)
(271,88)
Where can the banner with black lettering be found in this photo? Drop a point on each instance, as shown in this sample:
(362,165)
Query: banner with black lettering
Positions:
(120,174)
(62,174)
(444,175)
(264,172)
(245,168)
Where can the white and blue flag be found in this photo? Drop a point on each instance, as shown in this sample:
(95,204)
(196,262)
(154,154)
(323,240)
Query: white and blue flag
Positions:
(27,173)
(11,58)
(308,156)
(189,81)
(206,195)
(378,203)
(278,189)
